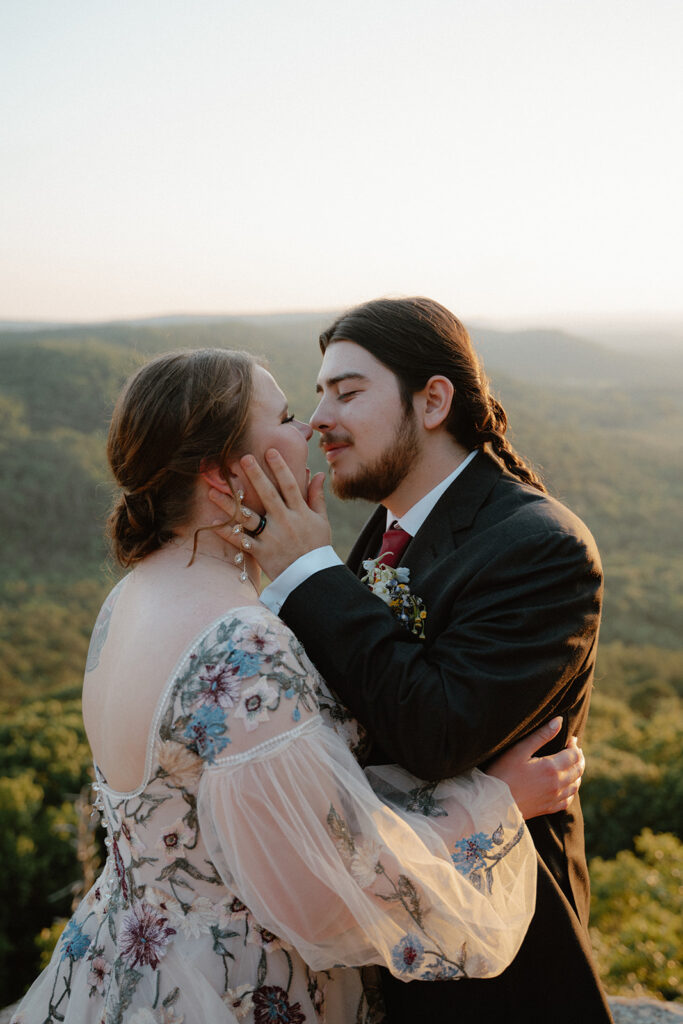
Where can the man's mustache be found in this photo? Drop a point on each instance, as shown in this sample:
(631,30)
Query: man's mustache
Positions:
(334,439)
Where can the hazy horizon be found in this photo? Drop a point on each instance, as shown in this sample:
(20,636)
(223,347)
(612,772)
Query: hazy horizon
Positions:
(628,335)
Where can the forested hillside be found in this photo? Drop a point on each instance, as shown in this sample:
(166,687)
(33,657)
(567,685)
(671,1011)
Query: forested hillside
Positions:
(603,429)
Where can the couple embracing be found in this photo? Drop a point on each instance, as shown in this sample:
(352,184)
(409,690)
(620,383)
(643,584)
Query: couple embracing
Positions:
(254,871)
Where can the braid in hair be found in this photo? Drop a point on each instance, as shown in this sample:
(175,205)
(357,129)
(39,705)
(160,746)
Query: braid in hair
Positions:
(478,420)
(417,338)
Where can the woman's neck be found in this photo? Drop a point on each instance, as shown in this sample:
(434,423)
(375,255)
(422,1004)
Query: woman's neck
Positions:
(211,556)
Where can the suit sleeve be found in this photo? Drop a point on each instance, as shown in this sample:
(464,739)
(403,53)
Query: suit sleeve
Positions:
(503,653)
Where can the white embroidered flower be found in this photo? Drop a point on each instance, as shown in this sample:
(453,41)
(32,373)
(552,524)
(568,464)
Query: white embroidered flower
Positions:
(230,909)
(259,936)
(162,1015)
(167,1015)
(181,765)
(257,639)
(363,862)
(99,969)
(198,919)
(221,685)
(165,902)
(254,704)
(239,1000)
(144,1016)
(173,840)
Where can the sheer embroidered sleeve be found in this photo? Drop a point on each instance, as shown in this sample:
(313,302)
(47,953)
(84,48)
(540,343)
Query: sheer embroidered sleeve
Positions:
(432,882)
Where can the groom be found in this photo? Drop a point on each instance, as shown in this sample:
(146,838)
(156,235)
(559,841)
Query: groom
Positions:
(511,584)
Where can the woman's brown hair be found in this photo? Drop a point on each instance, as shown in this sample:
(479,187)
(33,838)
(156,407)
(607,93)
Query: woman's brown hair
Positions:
(174,413)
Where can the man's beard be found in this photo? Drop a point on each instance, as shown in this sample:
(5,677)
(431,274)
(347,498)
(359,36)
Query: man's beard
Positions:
(379,479)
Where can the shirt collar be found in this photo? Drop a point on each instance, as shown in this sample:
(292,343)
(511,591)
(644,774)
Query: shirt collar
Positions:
(415,516)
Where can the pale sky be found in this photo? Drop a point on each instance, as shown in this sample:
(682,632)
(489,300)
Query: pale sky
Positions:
(516,159)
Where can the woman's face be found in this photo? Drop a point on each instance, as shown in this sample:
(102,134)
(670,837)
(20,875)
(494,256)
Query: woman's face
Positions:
(272,426)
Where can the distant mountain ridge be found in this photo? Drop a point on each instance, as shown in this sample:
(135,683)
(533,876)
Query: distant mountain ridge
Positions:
(536,355)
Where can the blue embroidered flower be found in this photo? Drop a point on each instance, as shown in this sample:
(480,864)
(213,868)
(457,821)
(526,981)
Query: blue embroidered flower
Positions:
(469,852)
(408,954)
(248,663)
(207,729)
(75,943)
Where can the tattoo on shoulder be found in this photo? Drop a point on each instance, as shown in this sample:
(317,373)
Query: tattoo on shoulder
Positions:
(99,633)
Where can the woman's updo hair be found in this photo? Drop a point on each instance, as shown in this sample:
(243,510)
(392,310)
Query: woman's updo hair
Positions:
(174,413)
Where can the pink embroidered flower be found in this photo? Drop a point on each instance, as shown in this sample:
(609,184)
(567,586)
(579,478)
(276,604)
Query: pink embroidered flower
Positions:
(144,936)
(254,704)
(221,685)
(257,639)
(174,840)
(99,971)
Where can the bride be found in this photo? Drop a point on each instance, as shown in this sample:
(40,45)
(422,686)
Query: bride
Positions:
(254,872)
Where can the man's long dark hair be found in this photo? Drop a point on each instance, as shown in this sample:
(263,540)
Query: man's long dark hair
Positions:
(417,338)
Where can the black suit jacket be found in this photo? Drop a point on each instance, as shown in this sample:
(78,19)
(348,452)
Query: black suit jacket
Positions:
(512,584)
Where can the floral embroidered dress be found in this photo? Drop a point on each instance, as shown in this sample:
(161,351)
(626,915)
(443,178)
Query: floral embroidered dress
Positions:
(257,868)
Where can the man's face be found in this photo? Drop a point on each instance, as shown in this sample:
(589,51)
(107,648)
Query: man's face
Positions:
(369,439)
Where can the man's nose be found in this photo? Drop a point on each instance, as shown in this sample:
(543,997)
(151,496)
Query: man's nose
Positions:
(321,418)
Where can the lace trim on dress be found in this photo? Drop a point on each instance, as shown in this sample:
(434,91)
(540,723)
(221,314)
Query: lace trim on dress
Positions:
(268,746)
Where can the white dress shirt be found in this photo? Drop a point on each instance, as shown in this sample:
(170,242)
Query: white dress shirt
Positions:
(277,592)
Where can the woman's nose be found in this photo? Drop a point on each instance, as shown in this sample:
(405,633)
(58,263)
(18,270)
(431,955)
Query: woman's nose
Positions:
(306,429)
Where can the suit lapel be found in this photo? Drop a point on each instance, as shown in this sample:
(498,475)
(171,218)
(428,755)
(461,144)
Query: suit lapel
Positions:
(369,540)
(454,512)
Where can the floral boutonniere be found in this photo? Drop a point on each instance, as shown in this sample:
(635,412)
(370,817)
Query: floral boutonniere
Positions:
(391,585)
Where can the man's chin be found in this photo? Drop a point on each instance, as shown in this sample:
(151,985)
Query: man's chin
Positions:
(352,488)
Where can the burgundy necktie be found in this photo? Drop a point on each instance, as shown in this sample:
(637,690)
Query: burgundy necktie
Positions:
(394,542)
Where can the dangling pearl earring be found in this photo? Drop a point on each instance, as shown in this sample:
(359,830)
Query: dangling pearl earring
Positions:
(239,557)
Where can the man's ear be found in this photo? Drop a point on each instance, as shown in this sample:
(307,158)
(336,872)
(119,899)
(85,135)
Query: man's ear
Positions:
(436,399)
(213,476)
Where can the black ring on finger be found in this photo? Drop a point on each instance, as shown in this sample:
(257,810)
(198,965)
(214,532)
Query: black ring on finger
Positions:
(259,529)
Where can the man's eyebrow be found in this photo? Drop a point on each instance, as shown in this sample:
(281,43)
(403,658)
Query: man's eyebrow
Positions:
(331,381)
